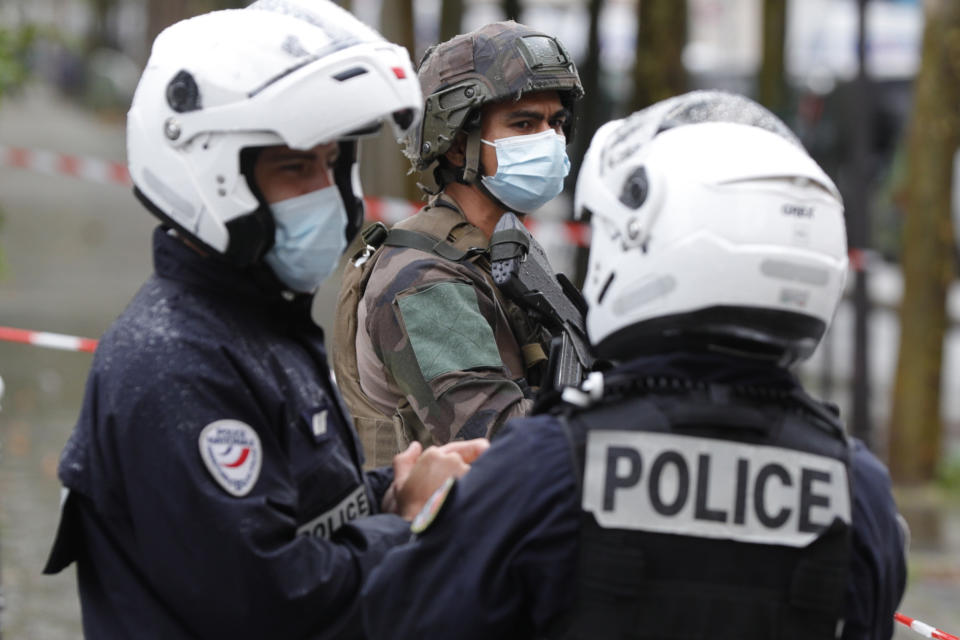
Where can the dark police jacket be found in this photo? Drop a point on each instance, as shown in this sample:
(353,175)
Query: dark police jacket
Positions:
(215,483)
(745,541)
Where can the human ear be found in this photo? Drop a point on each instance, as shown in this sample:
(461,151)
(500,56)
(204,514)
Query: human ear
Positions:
(457,152)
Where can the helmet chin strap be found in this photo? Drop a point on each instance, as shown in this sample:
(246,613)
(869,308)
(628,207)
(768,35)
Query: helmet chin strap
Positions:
(471,167)
(343,178)
(473,172)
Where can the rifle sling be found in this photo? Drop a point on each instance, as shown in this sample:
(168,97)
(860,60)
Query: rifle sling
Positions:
(416,240)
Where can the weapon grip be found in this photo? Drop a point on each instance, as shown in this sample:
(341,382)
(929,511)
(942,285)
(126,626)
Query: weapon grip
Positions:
(563,368)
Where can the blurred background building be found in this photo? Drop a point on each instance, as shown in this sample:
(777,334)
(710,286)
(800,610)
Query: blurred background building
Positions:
(870,99)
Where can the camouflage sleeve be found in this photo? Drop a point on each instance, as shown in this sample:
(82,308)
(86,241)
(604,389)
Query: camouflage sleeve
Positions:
(438,330)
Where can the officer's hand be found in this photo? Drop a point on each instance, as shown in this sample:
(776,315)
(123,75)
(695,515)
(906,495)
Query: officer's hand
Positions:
(430,471)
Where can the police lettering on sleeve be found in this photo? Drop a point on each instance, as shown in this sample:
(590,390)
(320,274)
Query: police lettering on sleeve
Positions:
(703,487)
(355,505)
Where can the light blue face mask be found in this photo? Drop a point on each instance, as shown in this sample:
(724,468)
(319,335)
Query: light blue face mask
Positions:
(310,238)
(530,170)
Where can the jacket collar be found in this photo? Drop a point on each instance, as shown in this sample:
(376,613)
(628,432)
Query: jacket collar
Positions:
(256,285)
(444,219)
(702,366)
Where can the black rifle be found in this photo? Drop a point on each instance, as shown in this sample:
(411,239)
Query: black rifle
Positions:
(522,272)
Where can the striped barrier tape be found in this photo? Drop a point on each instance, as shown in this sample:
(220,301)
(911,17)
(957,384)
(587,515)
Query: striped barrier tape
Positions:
(64,164)
(387,210)
(49,340)
(923,628)
(379,209)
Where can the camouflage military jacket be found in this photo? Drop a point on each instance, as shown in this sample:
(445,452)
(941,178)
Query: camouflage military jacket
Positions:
(435,345)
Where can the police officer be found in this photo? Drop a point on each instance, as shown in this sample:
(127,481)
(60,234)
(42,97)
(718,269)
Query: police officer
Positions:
(693,490)
(215,481)
(434,350)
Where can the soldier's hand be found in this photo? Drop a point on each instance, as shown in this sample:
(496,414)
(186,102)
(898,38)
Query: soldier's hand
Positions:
(402,465)
(468,450)
(403,462)
(430,471)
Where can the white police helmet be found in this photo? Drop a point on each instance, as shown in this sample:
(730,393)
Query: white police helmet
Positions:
(292,72)
(711,226)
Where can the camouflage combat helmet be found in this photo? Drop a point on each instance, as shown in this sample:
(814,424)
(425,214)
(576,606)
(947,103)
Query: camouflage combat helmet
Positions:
(495,62)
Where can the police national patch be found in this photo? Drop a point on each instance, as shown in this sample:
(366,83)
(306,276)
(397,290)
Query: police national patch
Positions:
(432,507)
(231,451)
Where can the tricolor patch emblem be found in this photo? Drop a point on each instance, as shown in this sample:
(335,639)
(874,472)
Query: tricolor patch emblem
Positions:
(231,451)
(432,507)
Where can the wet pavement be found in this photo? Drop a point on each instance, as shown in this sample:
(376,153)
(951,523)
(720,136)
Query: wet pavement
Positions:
(73,254)
(933,582)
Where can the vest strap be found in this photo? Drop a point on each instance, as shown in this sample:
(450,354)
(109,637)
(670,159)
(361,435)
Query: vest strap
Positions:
(424,242)
(533,354)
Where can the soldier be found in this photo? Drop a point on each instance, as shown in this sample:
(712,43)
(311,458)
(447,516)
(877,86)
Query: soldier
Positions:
(694,490)
(215,482)
(434,351)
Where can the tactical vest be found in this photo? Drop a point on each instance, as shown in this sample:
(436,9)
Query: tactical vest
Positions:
(710,512)
(440,229)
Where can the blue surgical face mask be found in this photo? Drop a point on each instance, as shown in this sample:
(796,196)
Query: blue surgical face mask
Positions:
(310,238)
(530,170)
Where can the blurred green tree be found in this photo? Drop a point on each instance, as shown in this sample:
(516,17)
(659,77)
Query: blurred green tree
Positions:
(927,255)
(512,9)
(101,33)
(593,110)
(658,71)
(451,19)
(771,84)
(384,168)
(163,13)
(15,43)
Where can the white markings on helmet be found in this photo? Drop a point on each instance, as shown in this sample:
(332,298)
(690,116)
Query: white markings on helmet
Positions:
(183,212)
(641,293)
(794,272)
(798,210)
(292,45)
(794,297)
(708,488)
(356,505)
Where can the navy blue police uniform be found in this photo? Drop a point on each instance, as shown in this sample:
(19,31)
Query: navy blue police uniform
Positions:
(702,497)
(215,481)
